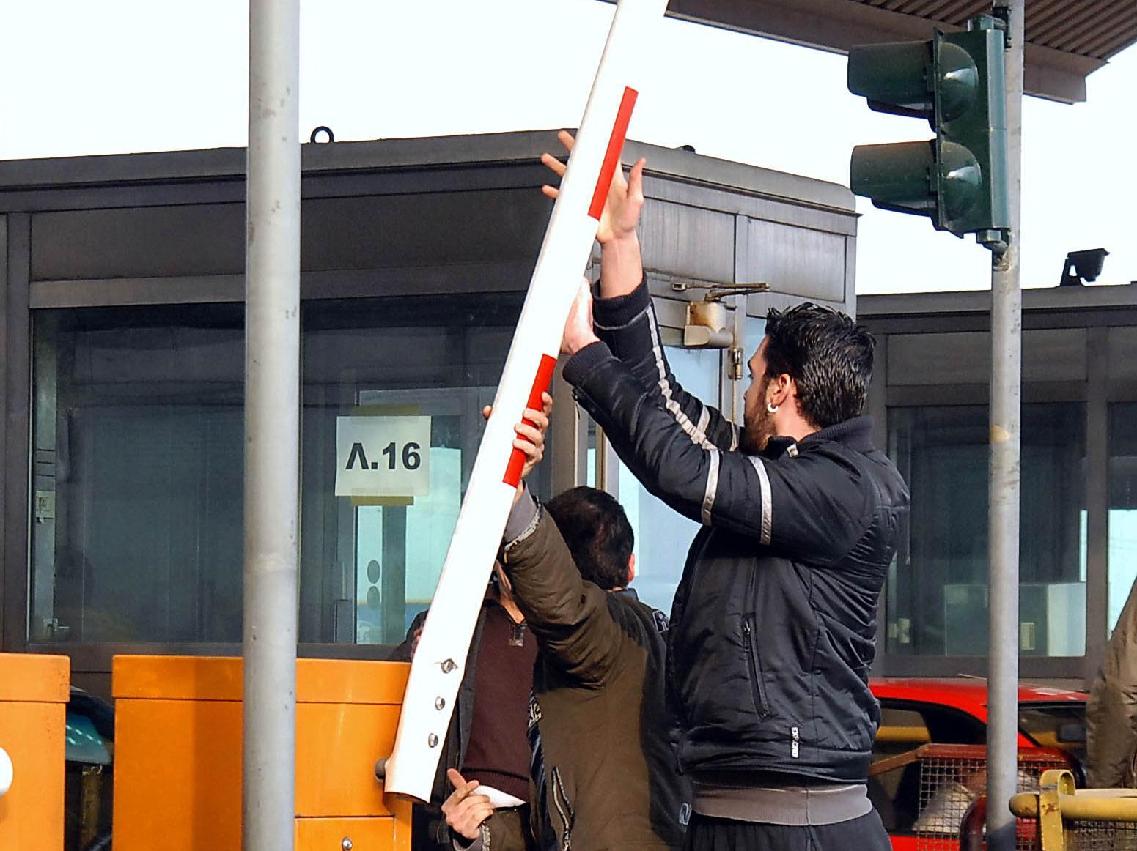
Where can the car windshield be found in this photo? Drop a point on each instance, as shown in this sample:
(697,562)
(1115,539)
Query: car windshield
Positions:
(1055,725)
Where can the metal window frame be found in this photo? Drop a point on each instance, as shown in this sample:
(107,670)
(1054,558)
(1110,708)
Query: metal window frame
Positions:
(16,353)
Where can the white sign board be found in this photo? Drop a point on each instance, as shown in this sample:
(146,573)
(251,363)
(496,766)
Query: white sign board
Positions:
(382,456)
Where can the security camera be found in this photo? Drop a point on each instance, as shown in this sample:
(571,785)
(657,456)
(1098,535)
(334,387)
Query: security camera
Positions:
(1080,266)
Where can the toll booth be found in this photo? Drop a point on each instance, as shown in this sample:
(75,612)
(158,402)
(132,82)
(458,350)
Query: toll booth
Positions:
(929,402)
(122,410)
(121,416)
(178,738)
(33,705)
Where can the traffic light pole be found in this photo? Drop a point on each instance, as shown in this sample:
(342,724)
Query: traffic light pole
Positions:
(272,405)
(1004,480)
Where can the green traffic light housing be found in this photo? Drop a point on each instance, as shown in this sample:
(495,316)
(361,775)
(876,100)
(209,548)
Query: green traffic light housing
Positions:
(958,179)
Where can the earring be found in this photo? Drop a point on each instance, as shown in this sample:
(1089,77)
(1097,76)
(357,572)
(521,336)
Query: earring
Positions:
(773,409)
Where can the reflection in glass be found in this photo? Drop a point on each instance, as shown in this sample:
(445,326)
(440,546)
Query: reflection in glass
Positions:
(138,469)
(370,564)
(937,589)
(138,475)
(662,535)
(388,595)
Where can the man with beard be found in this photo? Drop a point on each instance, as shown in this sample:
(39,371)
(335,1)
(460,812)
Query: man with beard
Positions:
(773,625)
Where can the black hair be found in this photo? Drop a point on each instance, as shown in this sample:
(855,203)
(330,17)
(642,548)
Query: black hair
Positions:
(597,532)
(829,356)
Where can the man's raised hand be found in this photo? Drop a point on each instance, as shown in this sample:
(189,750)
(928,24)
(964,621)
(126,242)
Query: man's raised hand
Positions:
(625,196)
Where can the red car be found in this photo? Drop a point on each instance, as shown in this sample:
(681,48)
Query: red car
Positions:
(929,761)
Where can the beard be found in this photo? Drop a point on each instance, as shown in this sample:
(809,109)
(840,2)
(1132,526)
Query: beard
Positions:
(758,427)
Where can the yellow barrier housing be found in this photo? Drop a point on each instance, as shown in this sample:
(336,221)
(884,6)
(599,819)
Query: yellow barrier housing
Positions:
(1071,818)
(178,754)
(33,722)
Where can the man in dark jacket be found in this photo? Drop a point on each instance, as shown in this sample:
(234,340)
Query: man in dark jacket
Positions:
(773,625)
(605,774)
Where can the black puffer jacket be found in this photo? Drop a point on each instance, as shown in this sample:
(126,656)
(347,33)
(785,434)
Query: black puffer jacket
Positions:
(773,624)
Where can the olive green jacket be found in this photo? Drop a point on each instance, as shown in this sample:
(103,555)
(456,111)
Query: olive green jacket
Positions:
(1111,714)
(610,775)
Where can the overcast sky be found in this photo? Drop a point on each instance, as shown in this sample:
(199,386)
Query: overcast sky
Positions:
(147,75)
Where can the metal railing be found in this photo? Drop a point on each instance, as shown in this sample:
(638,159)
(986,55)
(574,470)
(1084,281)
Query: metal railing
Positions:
(1071,819)
(948,780)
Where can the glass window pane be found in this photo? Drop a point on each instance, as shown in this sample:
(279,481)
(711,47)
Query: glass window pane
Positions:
(662,535)
(138,474)
(1122,506)
(137,509)
(1058,725)
(369,564)
(937,589)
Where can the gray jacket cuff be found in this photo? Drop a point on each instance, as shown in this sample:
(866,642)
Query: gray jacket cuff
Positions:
(476,845)
(522,519)
(611,314)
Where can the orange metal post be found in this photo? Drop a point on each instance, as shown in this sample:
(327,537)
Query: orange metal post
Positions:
(33,712)
(178,754)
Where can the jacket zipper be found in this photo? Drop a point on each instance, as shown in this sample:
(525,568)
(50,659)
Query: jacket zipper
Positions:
(754,667)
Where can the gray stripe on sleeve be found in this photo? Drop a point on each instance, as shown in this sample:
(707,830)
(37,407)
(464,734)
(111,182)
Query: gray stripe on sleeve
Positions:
(697,433)
(767,501)
(712,486)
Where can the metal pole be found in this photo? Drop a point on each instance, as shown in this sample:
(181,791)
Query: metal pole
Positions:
(272,403)
(1004,482)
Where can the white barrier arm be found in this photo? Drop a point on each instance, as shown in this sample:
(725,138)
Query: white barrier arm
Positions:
(5,772)
(440,659)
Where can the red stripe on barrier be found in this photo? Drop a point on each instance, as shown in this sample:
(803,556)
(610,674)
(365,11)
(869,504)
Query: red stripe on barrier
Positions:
(540,385)
(612,155)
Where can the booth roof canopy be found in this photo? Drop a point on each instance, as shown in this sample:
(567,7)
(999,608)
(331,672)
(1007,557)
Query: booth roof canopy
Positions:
(1066,39)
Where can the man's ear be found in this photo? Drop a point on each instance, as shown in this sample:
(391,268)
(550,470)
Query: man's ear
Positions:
(631,568)
(783,388)
(793,398)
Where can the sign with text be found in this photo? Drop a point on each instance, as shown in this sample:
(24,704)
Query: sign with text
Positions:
(382,456)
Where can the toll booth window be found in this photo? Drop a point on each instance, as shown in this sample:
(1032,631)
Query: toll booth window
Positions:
(937,587)
(138,468)
(392,420)
(137,475)
(662,536)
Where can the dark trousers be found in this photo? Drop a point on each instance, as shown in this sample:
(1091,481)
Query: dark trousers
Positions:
(509,830)
(715,834)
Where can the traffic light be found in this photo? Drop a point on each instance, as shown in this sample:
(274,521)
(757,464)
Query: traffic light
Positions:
(955,81)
